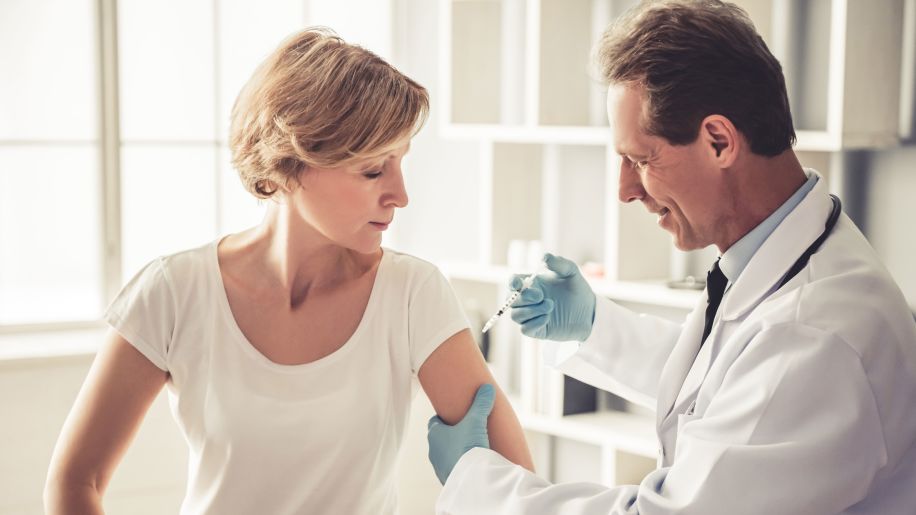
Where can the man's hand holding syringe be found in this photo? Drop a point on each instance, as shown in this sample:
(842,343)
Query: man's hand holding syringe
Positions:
(557,304)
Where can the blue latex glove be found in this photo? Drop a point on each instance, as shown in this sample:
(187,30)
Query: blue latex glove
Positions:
(447,444)
(558,306)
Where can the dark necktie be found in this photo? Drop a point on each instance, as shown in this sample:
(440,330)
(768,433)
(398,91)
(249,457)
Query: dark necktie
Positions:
(715,288)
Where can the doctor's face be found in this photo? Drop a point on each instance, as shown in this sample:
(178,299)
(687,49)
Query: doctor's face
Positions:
(352,205)
(674,182)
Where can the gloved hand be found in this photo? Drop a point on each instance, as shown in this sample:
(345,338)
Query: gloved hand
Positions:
(558,306)
(447,444)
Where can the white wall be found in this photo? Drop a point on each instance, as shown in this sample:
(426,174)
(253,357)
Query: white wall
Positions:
(890,183)
(441,177)
(35,397)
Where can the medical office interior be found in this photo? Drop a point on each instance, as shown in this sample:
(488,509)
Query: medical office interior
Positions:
(113,123)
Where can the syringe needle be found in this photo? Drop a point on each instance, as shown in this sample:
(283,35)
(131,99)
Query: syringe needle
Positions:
(505,307)
(526,283)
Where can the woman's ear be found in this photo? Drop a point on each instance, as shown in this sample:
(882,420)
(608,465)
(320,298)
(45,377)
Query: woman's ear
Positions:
(721,138)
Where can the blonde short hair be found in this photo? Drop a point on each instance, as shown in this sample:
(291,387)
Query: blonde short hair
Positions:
(319,101)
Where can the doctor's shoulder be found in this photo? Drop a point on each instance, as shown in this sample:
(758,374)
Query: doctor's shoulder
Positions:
(847,289)
(845,300)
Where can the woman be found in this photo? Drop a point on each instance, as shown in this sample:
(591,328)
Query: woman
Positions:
(291,351)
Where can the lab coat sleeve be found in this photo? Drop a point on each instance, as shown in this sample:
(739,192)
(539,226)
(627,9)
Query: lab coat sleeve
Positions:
(624,354)
(793,429)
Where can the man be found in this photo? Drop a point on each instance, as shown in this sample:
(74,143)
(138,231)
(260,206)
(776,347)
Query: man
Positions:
(791,388)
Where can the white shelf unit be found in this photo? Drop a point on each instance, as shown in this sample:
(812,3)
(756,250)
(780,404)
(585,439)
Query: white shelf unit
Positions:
(655,293)
(514,76)
(842,96)
(625,443)
(515,70)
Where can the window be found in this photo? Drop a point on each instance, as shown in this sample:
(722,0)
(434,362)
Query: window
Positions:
(114,116)
(179,66)
(51,241)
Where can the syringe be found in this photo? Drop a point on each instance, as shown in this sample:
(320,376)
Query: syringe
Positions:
(526,283)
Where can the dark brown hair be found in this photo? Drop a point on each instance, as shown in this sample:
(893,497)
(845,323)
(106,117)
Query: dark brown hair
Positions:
(319,101)
(696,58)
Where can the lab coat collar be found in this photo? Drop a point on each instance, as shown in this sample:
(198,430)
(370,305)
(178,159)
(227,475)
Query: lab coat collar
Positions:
(781,249)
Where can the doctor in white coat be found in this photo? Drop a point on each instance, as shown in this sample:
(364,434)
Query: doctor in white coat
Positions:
(791,388)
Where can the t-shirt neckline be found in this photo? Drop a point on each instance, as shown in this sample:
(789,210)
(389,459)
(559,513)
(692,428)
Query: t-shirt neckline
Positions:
(242,341)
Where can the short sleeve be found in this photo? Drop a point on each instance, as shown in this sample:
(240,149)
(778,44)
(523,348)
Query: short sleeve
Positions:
(434,315)
(144,313)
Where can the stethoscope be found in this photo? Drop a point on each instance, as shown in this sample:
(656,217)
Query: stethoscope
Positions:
(802,260)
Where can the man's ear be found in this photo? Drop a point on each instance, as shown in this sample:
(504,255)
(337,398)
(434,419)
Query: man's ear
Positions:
(721,138)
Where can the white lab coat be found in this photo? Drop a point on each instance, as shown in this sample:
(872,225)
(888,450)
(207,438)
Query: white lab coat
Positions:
(808,406)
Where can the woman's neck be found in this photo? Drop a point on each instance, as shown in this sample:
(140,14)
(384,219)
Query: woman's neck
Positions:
(285,253)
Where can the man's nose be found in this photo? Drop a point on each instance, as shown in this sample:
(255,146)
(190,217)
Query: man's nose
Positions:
(630,183)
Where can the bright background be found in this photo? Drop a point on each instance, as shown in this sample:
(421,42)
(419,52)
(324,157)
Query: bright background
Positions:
(86,200)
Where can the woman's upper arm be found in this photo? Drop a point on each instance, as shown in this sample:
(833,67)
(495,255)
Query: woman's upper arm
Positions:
(117,392)
(450,377)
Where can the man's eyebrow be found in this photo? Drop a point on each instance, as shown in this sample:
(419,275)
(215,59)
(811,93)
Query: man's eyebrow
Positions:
(633,155)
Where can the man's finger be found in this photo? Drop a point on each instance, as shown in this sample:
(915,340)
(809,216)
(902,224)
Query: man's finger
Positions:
(530,296)
(483,402)
(525,313)
(434,421)
(536,327)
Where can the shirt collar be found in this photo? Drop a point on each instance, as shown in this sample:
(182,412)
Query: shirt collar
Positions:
(736,258)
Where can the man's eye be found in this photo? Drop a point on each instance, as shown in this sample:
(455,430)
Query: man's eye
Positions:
(637,164)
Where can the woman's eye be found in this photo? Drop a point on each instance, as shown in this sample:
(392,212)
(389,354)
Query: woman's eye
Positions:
(372,175)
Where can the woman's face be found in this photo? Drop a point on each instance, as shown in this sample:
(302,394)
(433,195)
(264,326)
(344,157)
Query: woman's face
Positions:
(352,205)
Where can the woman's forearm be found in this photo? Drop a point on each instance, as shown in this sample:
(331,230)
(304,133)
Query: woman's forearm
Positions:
(506,434)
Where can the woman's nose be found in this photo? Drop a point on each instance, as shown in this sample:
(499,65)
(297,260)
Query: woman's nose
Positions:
(397,192)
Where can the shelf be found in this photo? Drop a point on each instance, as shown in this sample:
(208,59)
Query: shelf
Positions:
(623,431)
(654,293)
(555,134)
(806,140)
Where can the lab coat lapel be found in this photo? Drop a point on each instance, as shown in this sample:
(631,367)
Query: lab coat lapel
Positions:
(679,362)
(767,267)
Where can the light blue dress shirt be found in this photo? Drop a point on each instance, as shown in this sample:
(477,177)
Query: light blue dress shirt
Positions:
(736,258)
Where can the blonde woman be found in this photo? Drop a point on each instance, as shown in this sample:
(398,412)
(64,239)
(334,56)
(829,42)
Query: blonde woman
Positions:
(290,351)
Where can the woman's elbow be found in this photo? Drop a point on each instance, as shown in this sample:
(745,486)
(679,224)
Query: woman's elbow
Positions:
(70,491)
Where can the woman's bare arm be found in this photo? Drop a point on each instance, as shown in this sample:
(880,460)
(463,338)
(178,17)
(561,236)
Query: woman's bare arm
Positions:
(450,377)
(120,387)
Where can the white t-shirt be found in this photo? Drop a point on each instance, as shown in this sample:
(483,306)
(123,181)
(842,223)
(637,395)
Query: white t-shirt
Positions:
(321,437)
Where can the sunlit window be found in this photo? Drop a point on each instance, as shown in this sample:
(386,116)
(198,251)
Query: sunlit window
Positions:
(50,191)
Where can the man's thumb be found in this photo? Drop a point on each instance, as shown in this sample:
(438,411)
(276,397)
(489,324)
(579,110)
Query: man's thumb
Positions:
(560,265)
(483,401)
